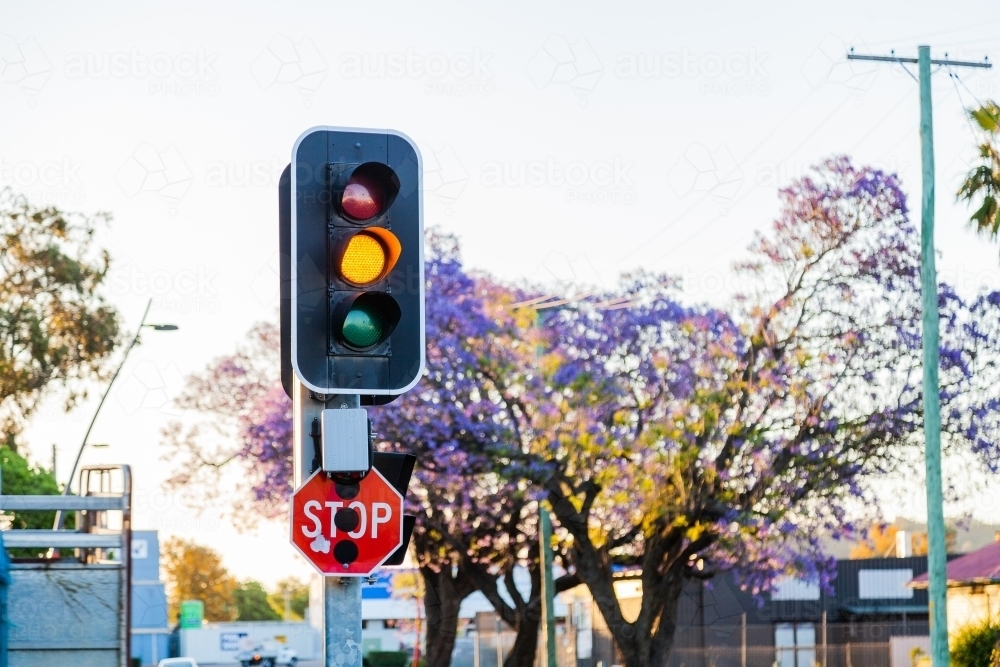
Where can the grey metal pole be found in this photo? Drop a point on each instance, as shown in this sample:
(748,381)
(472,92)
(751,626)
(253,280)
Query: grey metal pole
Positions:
(743,640)
(475,647)
(824,640)
(937,561)
(341,595)
(703,659)
(342,621)
(306,409)
(499,642)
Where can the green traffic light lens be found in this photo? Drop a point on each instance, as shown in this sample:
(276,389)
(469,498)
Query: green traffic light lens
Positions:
(363,326)
(366,320)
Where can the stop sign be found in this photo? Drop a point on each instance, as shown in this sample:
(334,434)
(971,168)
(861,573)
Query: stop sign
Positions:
(347,529)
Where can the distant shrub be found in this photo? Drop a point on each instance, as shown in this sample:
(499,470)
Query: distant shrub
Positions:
(388,658)
(974,645)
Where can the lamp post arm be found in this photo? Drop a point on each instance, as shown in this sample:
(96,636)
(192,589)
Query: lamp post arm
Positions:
(83,445)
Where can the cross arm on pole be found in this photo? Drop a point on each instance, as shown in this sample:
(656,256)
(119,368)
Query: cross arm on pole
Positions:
(985,64)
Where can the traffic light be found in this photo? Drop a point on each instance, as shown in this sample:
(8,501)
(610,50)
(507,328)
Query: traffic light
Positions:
(356,263)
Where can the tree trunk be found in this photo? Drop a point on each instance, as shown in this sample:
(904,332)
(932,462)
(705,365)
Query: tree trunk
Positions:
(526,641)
(648,641)
(524,615)
(663,637)
(443,595)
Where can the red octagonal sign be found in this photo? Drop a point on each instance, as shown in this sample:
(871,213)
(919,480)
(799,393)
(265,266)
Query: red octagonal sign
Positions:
(347,529)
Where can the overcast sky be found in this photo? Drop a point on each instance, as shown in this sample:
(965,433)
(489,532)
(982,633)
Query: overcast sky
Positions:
(561,141)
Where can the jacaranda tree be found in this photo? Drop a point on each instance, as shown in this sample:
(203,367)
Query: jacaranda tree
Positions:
(736,440)
(679,439)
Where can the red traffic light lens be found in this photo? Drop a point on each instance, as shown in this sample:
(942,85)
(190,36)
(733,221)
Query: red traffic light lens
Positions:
(363,197)
(367,191)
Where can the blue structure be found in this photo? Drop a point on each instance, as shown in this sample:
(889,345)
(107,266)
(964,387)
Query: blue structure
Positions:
(150,632)
(381,589)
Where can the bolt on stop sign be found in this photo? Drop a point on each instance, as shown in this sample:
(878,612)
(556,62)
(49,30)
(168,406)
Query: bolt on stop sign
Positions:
(347,529)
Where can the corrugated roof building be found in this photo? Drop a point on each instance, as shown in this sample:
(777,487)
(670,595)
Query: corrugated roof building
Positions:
(973,587)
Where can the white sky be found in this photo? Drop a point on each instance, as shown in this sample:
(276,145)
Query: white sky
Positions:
(669,165)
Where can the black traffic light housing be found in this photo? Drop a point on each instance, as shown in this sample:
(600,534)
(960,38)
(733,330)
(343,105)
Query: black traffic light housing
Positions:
(353,283)
(397,468)
(285,268)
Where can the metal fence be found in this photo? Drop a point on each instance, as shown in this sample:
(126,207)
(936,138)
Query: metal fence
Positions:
(493,641)
(846,655)
(857,644)
(485,651)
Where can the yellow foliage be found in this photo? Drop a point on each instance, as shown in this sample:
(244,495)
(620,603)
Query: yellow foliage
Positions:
(195,572)
(881,542)
(408,585)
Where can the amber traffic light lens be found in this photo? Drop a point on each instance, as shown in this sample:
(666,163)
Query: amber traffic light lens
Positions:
(363,261)
(363,258)
(363,197)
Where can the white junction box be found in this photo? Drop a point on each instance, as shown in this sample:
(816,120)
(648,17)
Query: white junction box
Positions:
(345,440)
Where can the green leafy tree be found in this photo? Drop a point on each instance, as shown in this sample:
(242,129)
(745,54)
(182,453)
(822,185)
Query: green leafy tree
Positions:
(18,477)
(974,645)
(55,327)
(982,184)
(297,595)
(252,603)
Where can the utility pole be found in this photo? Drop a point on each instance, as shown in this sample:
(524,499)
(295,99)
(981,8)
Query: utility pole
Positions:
(548,585)
(545,557)
(937,561)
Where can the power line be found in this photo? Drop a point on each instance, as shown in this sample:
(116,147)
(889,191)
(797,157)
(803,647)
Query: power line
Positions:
(968,121)
(789,155)
(924,36)
(750,191)
(974,96)
(851,56)
(663,230)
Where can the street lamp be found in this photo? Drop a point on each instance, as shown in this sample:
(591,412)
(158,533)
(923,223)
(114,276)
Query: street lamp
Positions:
(142,324)
(544,306)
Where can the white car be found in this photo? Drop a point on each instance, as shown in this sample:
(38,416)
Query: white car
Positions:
(178,662)
(268,654)
(287,656)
